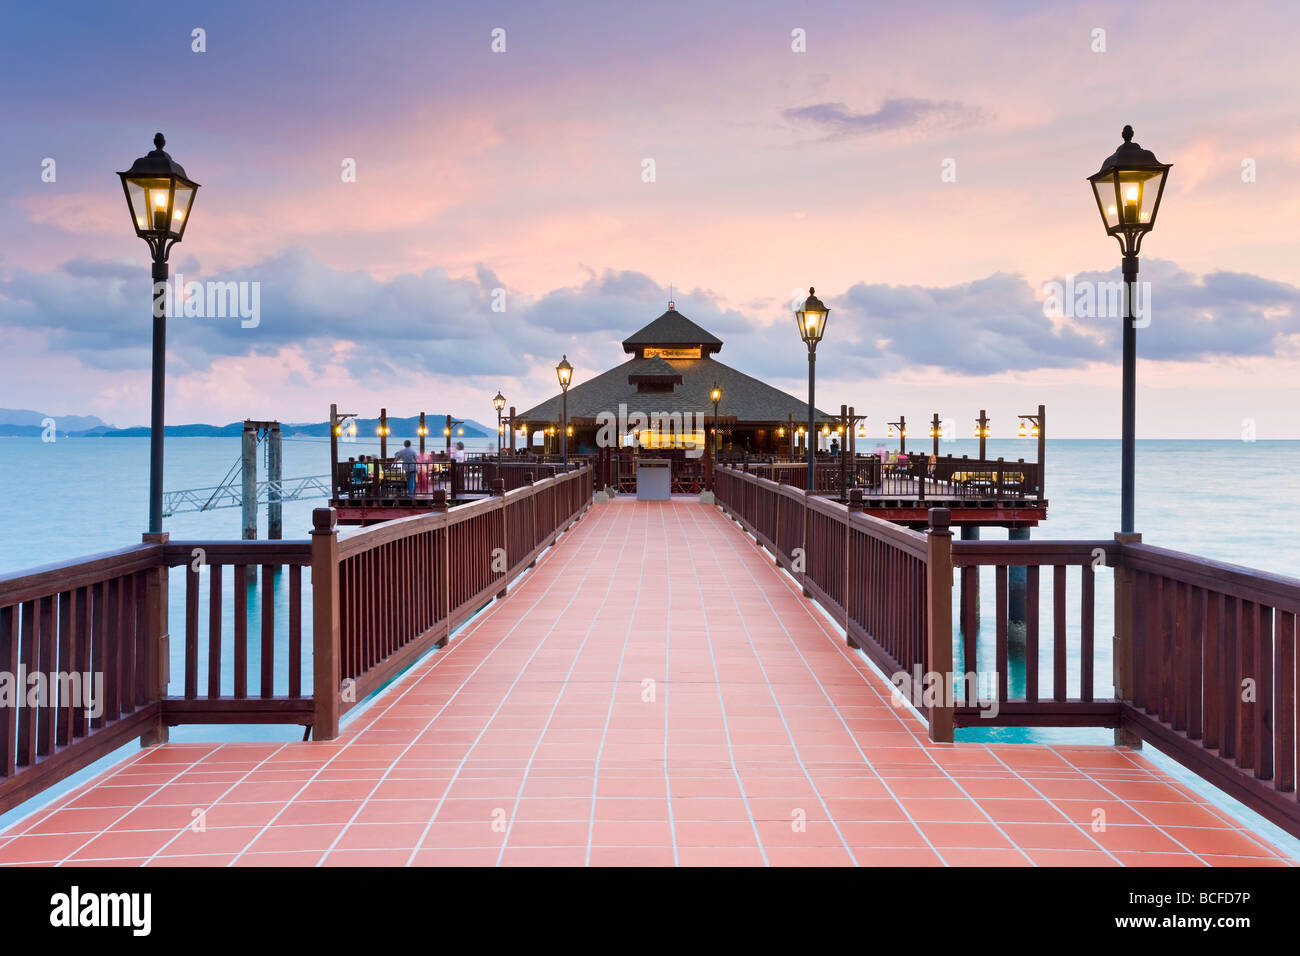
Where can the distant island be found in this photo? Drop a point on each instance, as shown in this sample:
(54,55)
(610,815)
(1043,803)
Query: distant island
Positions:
(24,423)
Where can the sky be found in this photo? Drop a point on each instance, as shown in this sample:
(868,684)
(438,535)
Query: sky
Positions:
(922,165)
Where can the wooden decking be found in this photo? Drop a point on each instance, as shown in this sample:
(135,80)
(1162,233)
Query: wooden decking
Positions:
(653,692)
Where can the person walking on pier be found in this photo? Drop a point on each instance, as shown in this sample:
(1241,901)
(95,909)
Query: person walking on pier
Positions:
(407,456)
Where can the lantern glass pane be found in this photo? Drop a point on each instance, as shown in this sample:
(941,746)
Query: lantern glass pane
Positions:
(139,210)
(1106,199)
(181,209)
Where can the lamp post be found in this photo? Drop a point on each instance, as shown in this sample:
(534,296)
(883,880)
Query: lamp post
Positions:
(382,431)
(982,431)
(159,196)
(811,320)
(1128,188)
(422,431)
(337,421)
(901,425)
(715,396)
(936,432)
(446,431)
(564,372)
(498,402)
(1039,431)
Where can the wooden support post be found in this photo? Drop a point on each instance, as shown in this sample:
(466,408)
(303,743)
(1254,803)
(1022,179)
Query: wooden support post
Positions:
(939,620)
(971,532)
(1017,583)
(1125,635)
(274,489)
(807,520)
(157,640)
(335,489)
(513,426)
(327,703)
(248,497)
(1042,451)
(499,493)
(248,489)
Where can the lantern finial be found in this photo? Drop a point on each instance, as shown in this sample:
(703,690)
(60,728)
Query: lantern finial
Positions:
(1127,134)
(158,141)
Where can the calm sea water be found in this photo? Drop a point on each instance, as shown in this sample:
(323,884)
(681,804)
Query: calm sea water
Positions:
(1227,500)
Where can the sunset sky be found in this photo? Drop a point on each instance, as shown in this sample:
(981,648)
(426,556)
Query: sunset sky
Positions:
(774,170)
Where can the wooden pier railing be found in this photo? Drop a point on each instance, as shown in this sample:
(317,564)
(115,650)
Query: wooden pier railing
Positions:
(944,478)
(1204,653)
(97,630)
(388,481)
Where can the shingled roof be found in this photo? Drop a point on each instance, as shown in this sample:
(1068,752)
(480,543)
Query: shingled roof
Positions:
(672,329)
(744,398)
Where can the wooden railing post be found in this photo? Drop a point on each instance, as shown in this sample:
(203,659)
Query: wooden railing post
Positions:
(325,624)
(1125,636)
(157,639)
(807,520)
(499,492)
(939,620)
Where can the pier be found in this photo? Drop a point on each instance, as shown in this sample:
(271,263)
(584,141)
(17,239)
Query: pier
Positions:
(654,690)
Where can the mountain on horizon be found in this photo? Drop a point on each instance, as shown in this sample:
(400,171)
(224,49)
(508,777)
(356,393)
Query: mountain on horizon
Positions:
(27,418)
(92,427)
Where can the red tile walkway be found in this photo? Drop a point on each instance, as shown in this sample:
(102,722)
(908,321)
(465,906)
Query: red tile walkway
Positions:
(654,693)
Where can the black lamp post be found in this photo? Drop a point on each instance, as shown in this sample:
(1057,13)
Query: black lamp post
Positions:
(564,372)
(159,196)
(811,320)
(936,432)
(1128,188)
(498,402)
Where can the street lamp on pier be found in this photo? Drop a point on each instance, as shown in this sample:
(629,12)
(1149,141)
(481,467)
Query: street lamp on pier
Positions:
(936,432)
(901,425)
(159,196)
(1036,426)
(498,402)
(811,320)
(1128,188)
(982,431)
(564,372)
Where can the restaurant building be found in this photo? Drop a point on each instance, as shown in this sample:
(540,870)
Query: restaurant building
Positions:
(661,399)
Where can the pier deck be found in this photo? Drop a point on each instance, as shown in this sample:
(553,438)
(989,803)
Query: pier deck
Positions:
(653,692)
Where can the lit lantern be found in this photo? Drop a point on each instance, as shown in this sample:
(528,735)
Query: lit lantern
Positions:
(811,320)
(1128,188)
(159,195)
